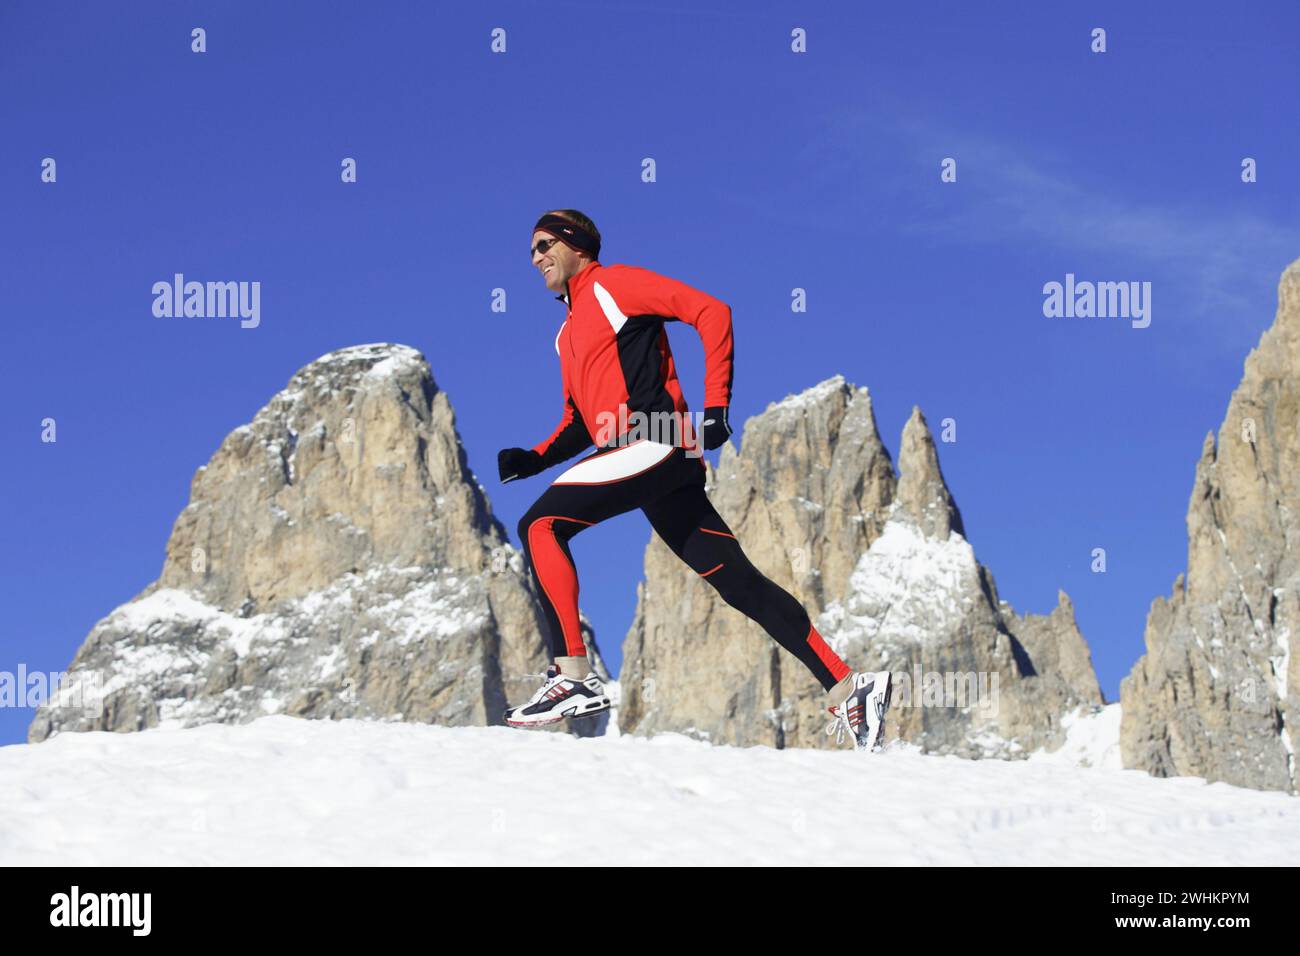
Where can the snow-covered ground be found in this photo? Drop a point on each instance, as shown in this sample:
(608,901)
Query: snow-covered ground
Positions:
(288,790)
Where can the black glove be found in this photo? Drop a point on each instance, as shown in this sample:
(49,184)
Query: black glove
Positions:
(716,429)
(515,463)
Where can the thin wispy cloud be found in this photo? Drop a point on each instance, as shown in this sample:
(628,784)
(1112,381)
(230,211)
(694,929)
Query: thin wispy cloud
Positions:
(1027,194)
(1014,196)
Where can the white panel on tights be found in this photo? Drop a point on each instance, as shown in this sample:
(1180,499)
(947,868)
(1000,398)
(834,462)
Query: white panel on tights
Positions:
(619,463)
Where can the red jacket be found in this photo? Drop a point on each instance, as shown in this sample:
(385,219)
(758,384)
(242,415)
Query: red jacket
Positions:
(614,351)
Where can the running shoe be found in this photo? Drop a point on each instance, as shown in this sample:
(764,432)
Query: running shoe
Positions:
(560,697)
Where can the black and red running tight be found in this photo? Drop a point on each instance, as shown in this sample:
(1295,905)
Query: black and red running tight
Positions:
(667,485)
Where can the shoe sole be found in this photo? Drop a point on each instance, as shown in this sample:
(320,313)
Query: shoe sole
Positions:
(877,744)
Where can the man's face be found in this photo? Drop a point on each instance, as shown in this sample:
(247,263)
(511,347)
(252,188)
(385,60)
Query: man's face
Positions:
(557,263)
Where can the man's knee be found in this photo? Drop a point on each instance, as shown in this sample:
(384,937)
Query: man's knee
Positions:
(703,550)
(541,514)
(721,563)
(739,584)
(525,523)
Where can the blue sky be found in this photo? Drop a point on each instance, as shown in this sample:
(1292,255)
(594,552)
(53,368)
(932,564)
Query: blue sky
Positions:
(775,170)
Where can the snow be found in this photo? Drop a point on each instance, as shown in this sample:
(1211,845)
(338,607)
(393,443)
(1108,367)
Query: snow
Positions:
(809,397)
(371,350)
(415,607)
(907,587)
(293,448)
(393,365)
(1281,663)
(1091,739)
(134,661)
(433,611)
(288,791)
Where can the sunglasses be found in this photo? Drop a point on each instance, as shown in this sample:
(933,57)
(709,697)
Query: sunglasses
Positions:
(543,246)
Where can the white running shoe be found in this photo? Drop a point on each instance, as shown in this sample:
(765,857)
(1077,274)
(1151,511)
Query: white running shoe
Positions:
(862,713)
(560,697)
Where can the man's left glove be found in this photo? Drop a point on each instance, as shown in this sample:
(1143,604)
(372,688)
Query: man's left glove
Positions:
(515,463)
(716,430)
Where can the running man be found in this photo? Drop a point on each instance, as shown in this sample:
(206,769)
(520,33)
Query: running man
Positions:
(622,395)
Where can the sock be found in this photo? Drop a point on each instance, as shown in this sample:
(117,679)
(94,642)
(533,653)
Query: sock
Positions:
(842,689)
(576,666)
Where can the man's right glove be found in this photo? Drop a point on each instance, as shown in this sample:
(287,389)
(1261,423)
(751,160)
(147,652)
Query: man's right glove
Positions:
(716,427)
(515,463)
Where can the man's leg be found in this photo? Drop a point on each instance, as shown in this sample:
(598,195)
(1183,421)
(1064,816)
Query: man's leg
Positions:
(696,533)
(600,486)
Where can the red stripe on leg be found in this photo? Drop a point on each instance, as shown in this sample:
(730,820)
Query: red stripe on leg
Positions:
(839,670)
(558,578)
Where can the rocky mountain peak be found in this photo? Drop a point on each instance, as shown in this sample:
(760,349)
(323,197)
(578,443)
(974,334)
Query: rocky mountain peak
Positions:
(880,562)
(337,558)
(922,492)
(355,463)
(1216,693)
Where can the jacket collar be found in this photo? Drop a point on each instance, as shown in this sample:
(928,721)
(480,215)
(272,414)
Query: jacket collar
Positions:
(578,281)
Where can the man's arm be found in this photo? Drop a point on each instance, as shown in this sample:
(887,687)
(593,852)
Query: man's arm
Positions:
(569,437)
(639,291)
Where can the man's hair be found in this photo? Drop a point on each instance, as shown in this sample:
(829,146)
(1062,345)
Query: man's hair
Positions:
(579,218)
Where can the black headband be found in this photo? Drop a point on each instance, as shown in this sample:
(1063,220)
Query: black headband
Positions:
(570,233)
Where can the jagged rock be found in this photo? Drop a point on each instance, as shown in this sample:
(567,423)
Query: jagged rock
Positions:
(1215,695)
(882,566)
(804,498)
(337,558)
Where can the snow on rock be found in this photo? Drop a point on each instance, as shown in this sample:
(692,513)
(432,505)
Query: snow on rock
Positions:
(1092,739)
(883,566)
(907,587)
(810,398)
(336,559)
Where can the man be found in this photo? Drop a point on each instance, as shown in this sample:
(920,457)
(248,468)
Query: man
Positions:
(621,394)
